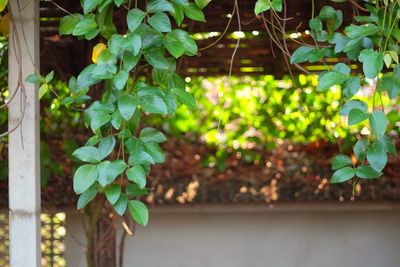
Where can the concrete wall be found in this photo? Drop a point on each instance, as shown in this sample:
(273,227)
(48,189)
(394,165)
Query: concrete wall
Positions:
(262,239)
(75,240)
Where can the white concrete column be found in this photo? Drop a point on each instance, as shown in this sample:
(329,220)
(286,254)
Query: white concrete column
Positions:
(24,156)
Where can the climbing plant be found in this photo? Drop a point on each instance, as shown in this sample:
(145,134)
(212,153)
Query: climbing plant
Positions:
(134,72)
(371,40)
(122,150)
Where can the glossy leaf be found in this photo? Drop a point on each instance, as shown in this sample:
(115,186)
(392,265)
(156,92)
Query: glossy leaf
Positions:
(113,193)
(378,122)
(343,175)
(160,22)
(139,212)
(137,174)
(87,154)
(152,135)
(127,106)
(367,172)
(372,62)
(329,79)
(377,157)
(86,197)
(356,116)
(341,161)
(84,177)
(134,18)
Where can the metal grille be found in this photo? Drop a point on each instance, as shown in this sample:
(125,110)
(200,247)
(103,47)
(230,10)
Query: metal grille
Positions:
(53,235)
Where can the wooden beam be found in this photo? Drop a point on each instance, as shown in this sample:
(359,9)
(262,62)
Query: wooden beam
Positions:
(24,143)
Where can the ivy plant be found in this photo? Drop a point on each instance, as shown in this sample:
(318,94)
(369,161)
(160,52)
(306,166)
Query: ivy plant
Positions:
(371,41)
(119,155)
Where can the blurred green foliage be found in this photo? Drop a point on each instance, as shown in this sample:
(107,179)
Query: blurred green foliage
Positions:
(242,114)
(249,112)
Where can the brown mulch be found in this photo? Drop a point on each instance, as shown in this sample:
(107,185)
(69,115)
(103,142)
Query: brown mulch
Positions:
(287,174)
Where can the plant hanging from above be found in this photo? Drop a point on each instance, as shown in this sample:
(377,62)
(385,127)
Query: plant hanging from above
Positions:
(372,41)
(119,155)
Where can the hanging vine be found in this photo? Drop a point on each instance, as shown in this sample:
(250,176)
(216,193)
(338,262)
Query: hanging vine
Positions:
(371,40)
(119,155)
(121,151)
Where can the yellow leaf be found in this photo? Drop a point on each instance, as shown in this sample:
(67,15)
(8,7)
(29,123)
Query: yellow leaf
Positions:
(3,4)
(4,25)
(97,49)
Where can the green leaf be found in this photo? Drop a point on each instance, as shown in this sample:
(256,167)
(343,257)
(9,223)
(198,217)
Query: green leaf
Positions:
(372,62)
(341,161)
(335,22)
(327,12)
(87,154)
(84,177)
(353,104)
(178,14)
(43,89)
(378,122)
(155,151)
(106,146)
(179,42)
(315,24)
(367,172)
(154,6)
(301,54)
(390,83)
(86,24)
(113,192)
(360,149)
(134,190)
(329,79)
(141,158)
(139,212)
(34,78)
(185,98)
(120,79)
(134,146)
(364,30)
(342,68)
(376,156)
(156,59)
(356,116)
(68,23)
(340,41)
(134,18)
(264,5)
(109,171)
(351,86)
(98,118)
(90,5)
(116,120)
(121,204)
(152,135)
(3,4)
(388,144)
(118,3)
(153,101)
(49,77)
(85,78)
(193,12)
(343,175)
(127,106)
(137,174)
(130,60)
(202,3)
(86,197)
(387,58)
(160,22)
(133,42)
